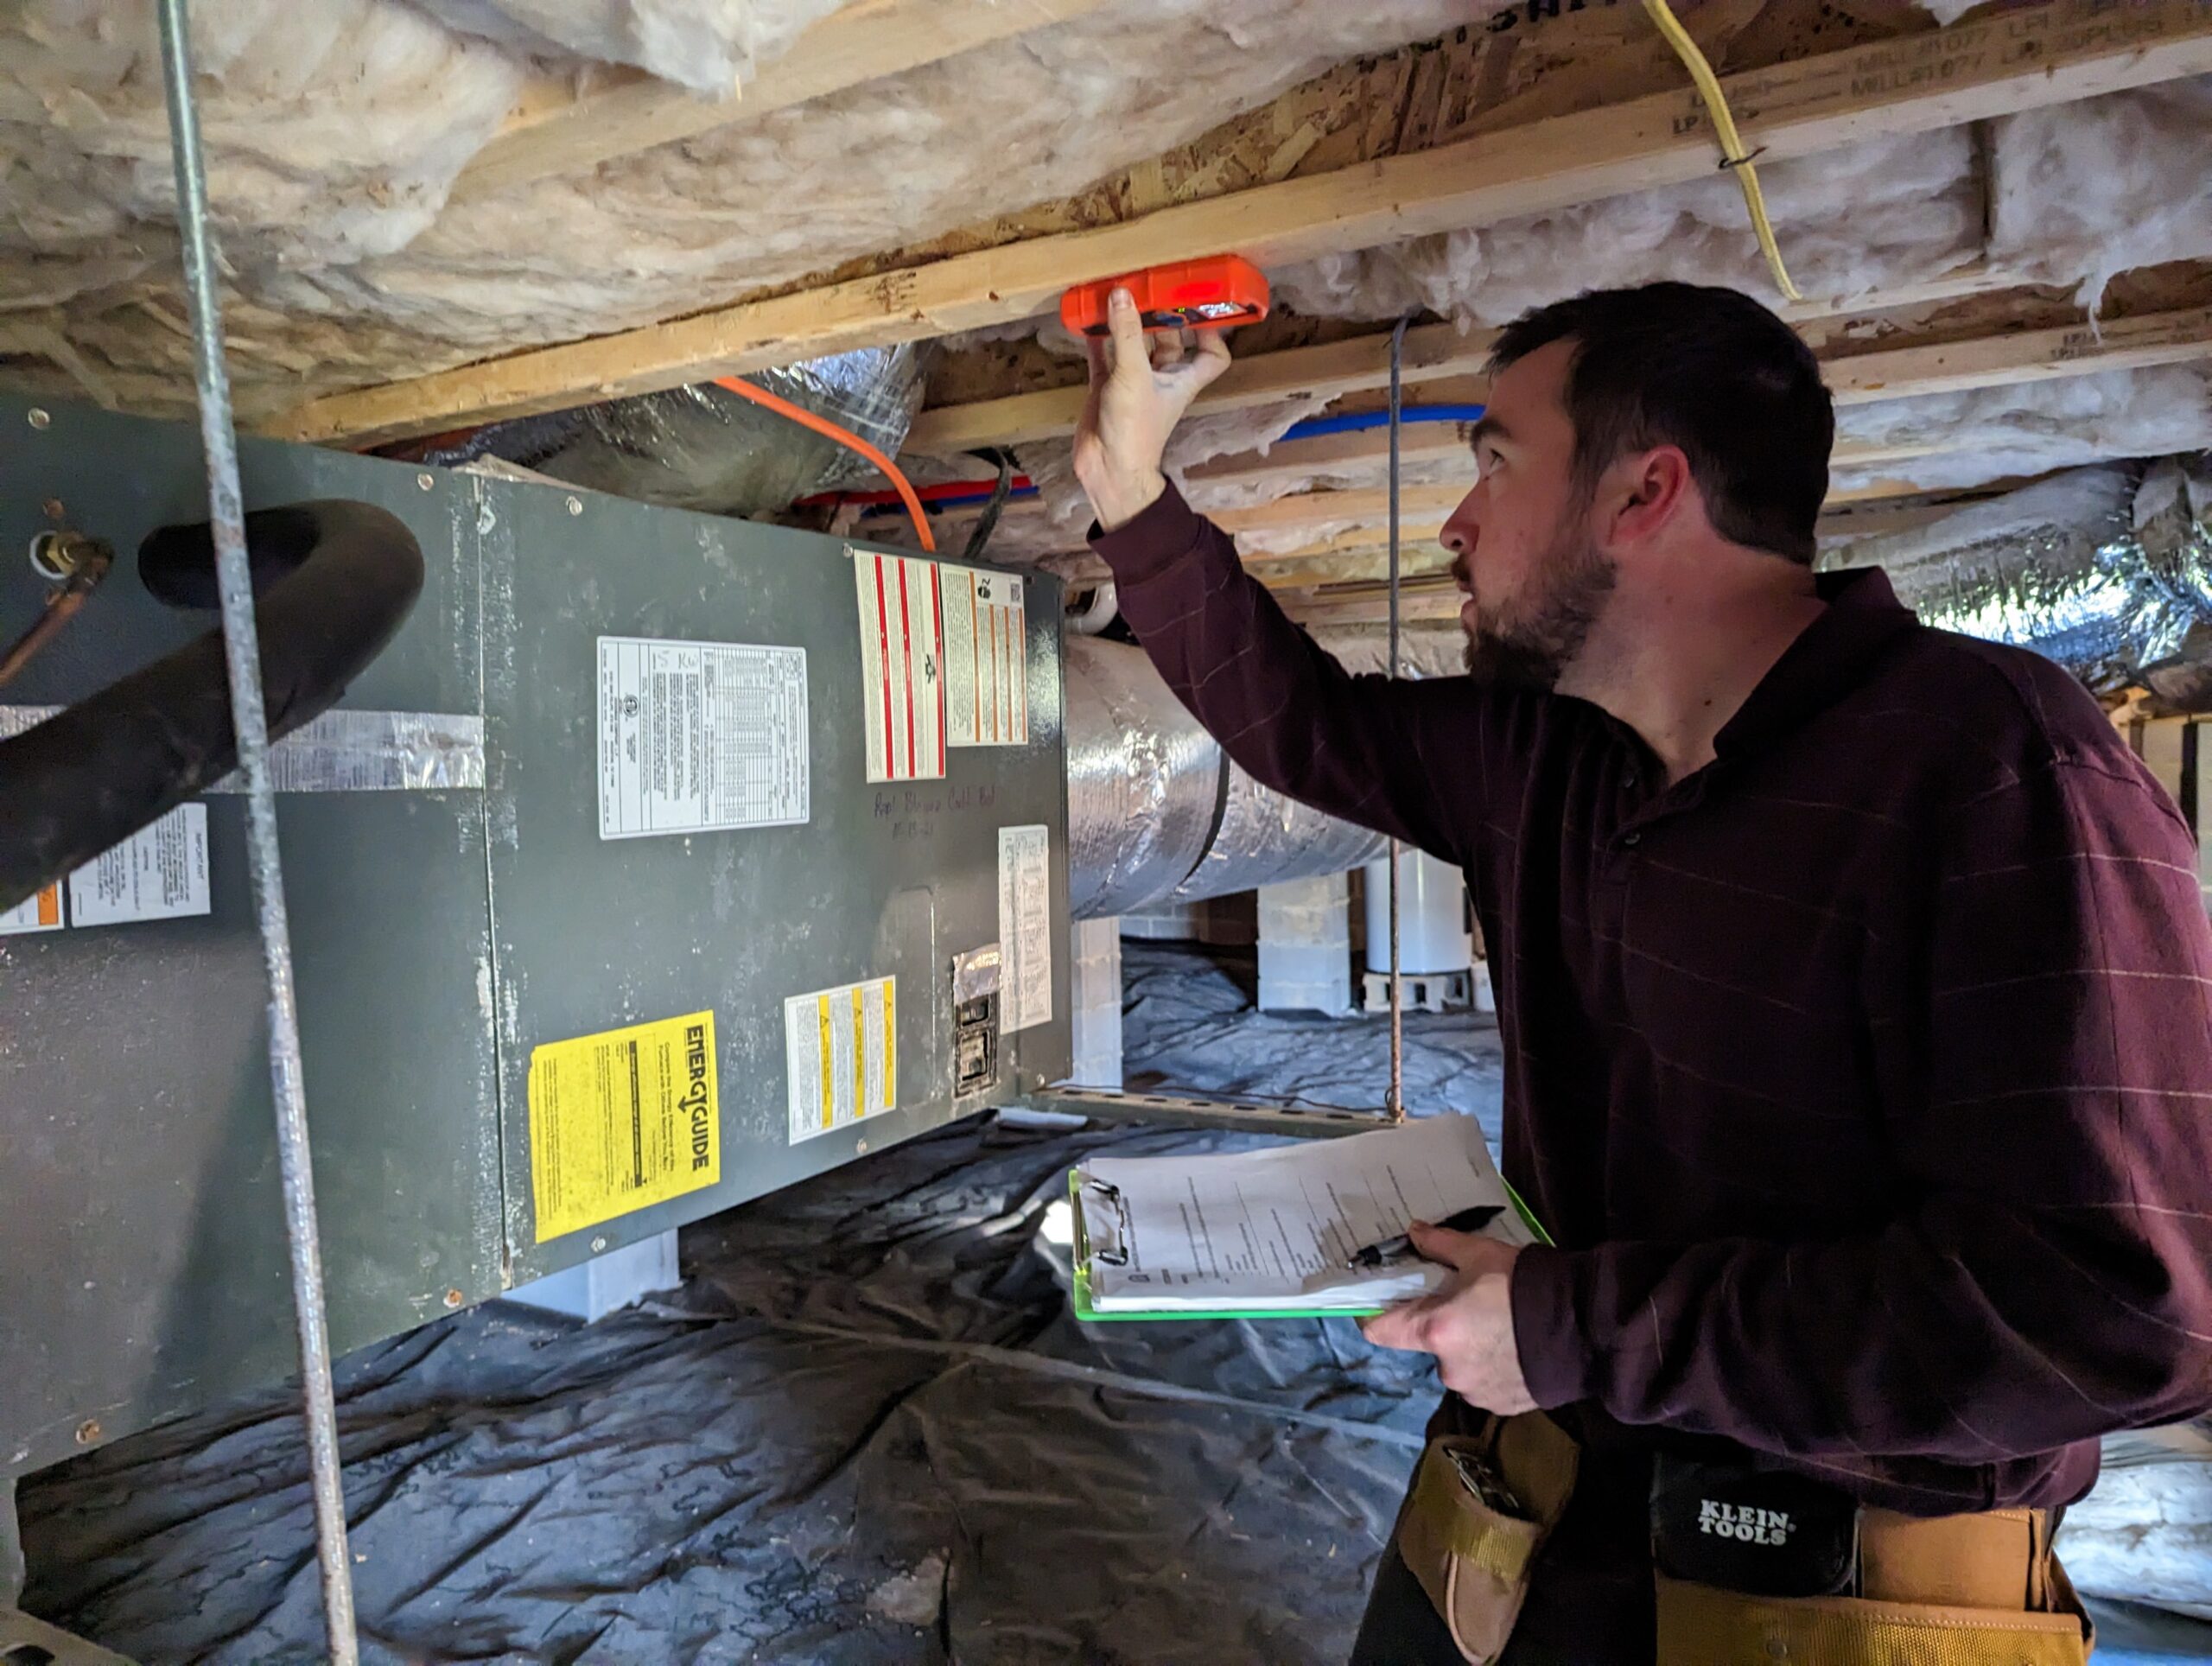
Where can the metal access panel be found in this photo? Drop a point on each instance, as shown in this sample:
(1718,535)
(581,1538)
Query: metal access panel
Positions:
(445,935)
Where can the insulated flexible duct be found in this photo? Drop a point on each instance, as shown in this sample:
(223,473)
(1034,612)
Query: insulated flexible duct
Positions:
(2082,567)
(1144,781)
(1155,810)
(706,448)
(1266,838)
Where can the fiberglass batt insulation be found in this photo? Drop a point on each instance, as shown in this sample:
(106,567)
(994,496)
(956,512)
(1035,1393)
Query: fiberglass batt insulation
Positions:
(705,45)
(2081,191)
(1884,211)
(1989,434)
(335,130)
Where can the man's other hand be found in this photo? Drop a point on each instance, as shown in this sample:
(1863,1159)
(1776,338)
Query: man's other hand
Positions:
(1468,1324)
(1138,392)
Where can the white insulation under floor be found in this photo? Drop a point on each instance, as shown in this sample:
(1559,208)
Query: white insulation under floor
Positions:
(337,128)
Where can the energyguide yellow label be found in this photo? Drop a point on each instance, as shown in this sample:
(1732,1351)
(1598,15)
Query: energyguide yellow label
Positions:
(841,1053)
(621,1120)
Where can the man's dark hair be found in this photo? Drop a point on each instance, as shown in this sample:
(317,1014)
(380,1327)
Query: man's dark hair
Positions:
(1711,370)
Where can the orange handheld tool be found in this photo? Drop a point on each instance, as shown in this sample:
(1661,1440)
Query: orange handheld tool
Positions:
(1212,294)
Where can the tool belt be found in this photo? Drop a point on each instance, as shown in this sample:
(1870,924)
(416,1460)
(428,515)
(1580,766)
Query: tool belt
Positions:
(1752,1567)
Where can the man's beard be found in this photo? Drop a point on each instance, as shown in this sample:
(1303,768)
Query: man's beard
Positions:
(1531,650)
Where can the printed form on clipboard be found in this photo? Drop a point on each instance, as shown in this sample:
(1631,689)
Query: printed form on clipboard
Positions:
(1281,1233)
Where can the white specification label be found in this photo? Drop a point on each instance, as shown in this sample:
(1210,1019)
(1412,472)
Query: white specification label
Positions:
(840,1052)
(1025,927)
(158,872)
(986,658)
(39,913)
(694,737)
(902,668)
(349,751)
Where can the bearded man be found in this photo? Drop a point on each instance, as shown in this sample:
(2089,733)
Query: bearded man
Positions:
(1852,982)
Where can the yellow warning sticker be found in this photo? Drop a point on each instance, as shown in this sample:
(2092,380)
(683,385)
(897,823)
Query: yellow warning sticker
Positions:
(621,1120)
(841,1052)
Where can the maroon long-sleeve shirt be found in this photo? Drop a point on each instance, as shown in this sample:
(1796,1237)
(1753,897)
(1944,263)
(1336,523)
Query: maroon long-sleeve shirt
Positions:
(1863,1076)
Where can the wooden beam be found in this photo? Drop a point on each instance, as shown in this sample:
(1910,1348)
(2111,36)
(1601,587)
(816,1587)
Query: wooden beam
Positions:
(2171,338)
(1898,373)
(1421,558)
(2039,56)
(1420,603)
(1361,551)
(1438,352)
(558,130)
(1432,352)
(1365,510)
(1366,506)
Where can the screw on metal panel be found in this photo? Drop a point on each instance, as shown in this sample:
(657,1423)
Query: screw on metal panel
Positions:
(88,1431)
(39,418)
(860,1148)
(598,1246)
(575,506)
(52,508)
(454,1298)
(426,479)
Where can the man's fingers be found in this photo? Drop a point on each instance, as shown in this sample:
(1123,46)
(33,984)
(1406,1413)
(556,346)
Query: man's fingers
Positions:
(1212,359)
(1102,366)
(1405,1326)
(1130,357)
(1455,1249)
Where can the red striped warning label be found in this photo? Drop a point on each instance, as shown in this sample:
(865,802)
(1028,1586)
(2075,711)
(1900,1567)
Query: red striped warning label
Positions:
(902,665)
(986,658)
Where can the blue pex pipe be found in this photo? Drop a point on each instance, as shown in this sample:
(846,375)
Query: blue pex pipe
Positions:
(1355,422)
(1350,422)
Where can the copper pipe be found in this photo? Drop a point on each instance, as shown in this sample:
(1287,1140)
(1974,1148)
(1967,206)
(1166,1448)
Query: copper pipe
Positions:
(85,561)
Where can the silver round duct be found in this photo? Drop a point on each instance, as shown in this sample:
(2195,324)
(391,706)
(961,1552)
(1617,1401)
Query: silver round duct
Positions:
(1155,810)
(1265,838)
(1144,781)
(2106,570)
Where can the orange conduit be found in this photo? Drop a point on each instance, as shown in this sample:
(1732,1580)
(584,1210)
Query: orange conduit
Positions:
(845,437)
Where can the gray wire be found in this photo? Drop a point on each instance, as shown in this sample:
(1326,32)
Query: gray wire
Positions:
(1397,1103)
(242,654)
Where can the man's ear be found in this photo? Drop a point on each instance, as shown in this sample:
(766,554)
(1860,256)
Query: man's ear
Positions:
(1647,491)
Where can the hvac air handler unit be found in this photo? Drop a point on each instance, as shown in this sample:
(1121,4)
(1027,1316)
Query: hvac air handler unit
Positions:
(658,862)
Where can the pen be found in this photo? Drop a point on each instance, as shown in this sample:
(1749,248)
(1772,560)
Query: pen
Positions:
(1467,1220)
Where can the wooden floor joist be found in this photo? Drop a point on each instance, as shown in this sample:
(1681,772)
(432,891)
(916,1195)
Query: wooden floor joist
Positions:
(1865,378)
(1361,552)
(558,129)
(1436,352)
(2084,349)
(2036,56)
(1432,352)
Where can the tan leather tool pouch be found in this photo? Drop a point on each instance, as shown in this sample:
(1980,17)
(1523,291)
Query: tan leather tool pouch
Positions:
(1477,1513)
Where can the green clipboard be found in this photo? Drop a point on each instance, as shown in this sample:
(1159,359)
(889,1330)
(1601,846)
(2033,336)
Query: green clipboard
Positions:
(1090,1315)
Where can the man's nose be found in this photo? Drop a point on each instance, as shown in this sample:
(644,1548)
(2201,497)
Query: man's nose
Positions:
(1461,531)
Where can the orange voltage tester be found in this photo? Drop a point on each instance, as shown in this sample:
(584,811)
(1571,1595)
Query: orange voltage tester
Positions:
(1212,294)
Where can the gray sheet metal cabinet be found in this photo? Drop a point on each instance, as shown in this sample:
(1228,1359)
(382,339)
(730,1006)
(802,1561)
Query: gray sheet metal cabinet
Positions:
(443,934)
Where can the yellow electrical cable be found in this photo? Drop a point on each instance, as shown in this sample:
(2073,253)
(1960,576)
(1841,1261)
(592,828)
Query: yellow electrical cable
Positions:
(1731,144)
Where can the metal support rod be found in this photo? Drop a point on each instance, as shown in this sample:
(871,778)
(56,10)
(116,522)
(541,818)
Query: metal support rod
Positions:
(242,656)
(1395,1103)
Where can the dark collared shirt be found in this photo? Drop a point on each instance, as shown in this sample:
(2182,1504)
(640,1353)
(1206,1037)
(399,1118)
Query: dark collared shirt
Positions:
(1863,1076)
